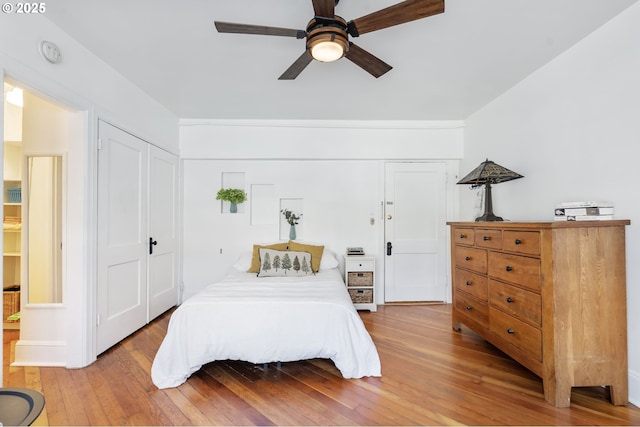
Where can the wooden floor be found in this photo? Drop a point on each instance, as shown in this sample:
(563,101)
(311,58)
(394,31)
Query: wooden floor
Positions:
(431,375)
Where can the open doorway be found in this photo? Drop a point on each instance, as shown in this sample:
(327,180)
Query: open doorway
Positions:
(36,138)
(12,206)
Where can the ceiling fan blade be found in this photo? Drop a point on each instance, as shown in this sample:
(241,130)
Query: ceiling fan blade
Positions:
(296,68)
(230,27)
(371,64)
(406,11)
(324,8)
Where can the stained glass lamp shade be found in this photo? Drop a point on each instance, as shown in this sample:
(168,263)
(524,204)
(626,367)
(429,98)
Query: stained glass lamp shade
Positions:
(488,173)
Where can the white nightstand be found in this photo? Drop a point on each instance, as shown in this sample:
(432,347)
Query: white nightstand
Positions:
(359,272)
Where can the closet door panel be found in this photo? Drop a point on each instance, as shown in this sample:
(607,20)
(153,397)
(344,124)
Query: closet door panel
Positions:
(122,235)
(163,231)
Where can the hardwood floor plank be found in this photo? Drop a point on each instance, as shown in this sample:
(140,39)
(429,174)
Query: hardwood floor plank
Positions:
(227,402)
(189,405)
(271,406)
(431,375)
(104,394)
(54,404)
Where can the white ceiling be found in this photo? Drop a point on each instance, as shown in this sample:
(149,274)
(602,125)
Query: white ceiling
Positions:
(445,67)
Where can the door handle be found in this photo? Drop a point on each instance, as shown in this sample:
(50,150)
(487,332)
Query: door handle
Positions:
(152,243)
(389,248)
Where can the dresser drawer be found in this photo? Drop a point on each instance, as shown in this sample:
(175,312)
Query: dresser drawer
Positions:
(359,265)
(525,337)
(517,269)
(524,305)
(471,283)
(524,242)
(471,258)
(464,236)
(472,308)
(491,239)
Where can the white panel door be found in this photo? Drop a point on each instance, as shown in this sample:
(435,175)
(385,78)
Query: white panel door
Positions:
(415,232)
(122,235)
(163,237)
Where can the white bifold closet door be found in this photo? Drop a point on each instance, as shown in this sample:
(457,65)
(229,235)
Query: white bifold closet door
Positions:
(137,234)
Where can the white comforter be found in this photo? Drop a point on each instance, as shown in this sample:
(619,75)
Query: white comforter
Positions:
(266,319)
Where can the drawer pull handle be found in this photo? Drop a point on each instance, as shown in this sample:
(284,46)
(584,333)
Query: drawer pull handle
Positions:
(469,308)
(467,258)
(509,299)
(468,282)
(508,268)
(511,331)
(518,242)
(463,236)
(485,238)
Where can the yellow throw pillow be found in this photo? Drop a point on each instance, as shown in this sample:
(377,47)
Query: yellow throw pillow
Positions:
(315,251)
(255,258)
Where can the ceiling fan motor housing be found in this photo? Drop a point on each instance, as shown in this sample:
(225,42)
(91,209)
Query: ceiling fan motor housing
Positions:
(321,30)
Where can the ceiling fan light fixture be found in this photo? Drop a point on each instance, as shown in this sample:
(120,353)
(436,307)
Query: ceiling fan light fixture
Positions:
(327,42)
(327,51)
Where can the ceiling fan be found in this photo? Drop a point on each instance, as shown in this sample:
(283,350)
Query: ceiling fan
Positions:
(328,34)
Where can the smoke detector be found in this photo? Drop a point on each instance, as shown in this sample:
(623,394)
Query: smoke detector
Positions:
(50,51)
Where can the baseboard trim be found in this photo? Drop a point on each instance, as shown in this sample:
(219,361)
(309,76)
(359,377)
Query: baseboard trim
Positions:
(40,353)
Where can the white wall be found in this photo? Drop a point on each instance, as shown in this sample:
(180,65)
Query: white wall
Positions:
(573,130)
(81,79)
(84,84)
(338,198)
(336,168)
(290,139)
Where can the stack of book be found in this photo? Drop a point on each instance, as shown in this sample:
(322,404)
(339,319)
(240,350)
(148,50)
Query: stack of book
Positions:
(583,211)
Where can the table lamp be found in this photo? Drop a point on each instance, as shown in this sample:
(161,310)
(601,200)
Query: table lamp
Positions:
(486,174)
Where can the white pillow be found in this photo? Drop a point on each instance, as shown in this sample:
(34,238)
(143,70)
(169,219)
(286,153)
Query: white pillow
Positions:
(274,263)
(328,260)
(243,263)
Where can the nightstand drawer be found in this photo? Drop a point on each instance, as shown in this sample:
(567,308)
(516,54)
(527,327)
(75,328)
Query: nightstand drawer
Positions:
(360,278)
(361,296)
(363,265)
(471,258)
(517,302)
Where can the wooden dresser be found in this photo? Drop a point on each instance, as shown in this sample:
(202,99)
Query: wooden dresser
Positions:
(552,295)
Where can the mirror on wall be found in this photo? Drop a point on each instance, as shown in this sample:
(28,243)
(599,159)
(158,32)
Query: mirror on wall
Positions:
(44,229)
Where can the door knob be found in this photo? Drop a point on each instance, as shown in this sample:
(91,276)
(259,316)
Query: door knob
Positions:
(389,216)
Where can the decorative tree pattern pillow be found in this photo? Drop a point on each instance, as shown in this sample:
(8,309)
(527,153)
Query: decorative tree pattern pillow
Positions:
(274,263)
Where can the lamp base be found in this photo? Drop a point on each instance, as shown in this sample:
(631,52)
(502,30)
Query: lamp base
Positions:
(488,206)
(489,217)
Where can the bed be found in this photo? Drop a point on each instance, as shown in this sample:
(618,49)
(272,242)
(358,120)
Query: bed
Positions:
(267,319)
